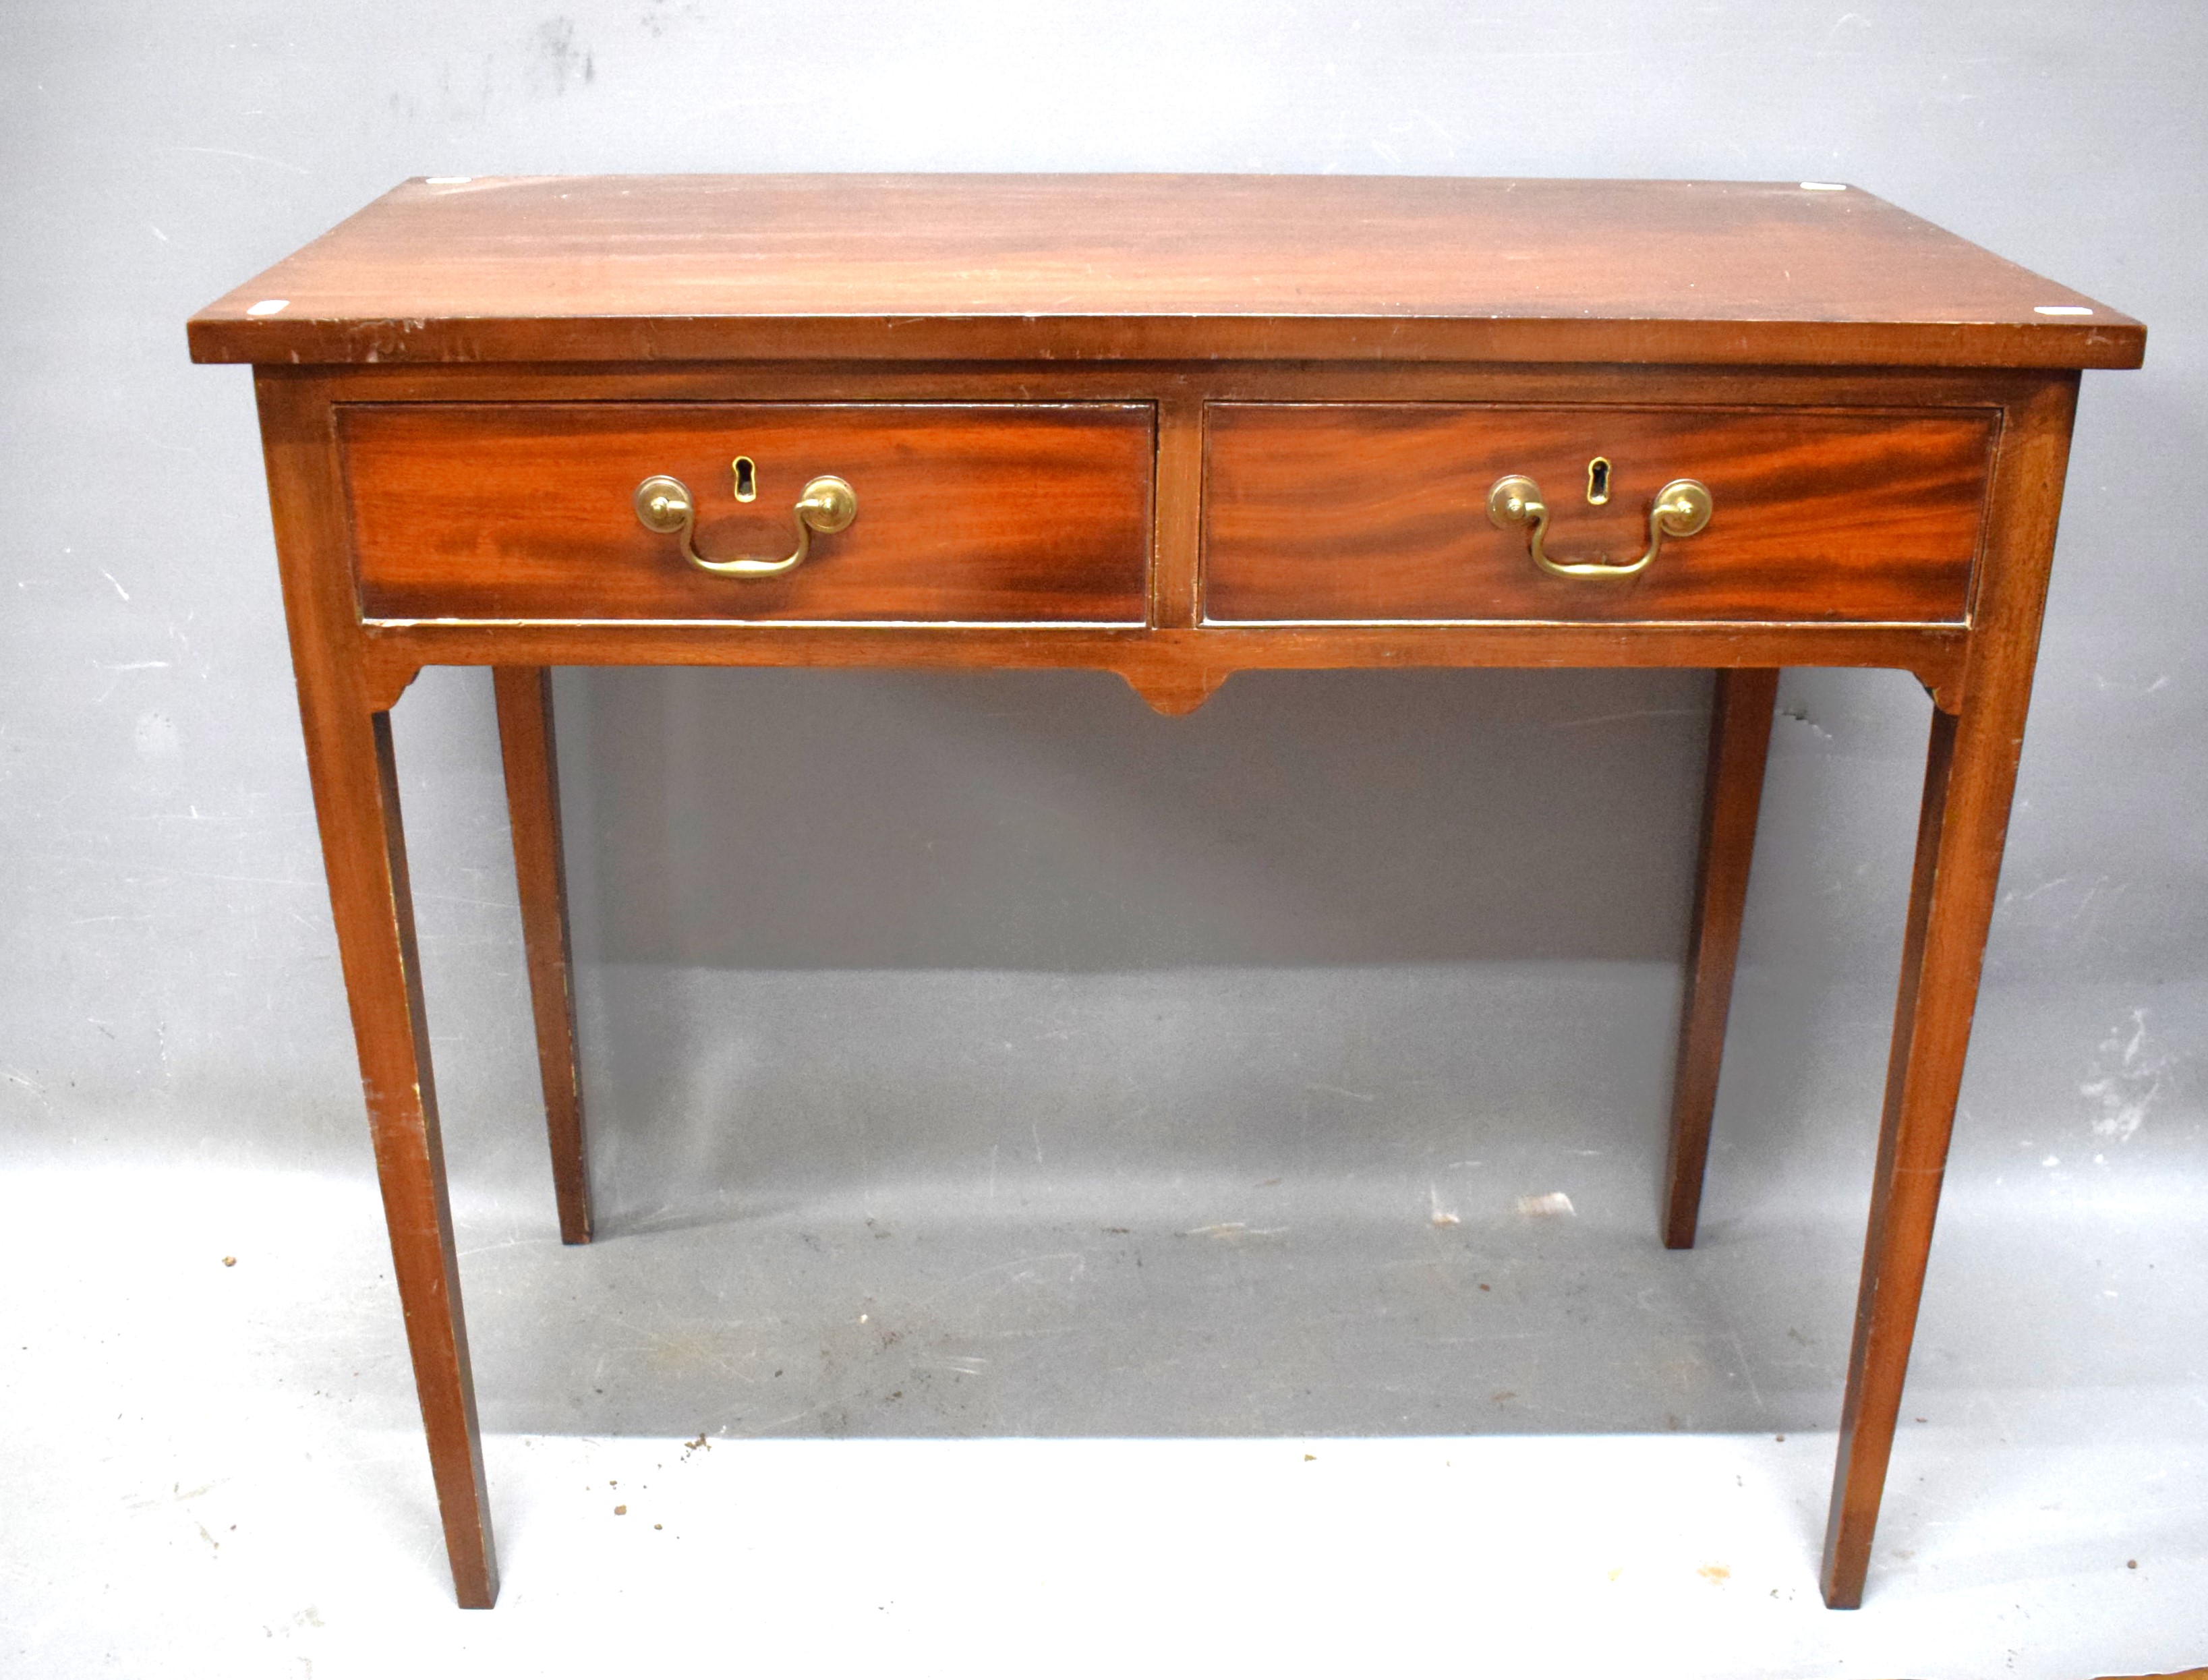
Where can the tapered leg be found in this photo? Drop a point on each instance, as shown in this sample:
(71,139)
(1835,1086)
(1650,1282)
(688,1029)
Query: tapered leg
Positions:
(356,796)
(1932,1024)
(532,800)
(348,740)
(1732,794)
(1969,777)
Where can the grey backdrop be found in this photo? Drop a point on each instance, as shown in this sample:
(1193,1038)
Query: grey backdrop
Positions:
(998,945)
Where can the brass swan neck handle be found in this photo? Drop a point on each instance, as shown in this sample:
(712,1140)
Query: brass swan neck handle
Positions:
(1682,507)
(665,505)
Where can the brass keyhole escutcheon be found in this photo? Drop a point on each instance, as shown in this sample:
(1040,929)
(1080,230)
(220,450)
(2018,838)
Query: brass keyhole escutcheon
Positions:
(747,476)
(1598,480)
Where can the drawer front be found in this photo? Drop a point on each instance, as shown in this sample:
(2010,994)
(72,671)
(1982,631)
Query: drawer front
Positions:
(1378,510)
(965,513)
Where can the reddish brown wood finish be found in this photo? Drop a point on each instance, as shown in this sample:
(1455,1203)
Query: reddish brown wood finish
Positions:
(1379,511)
(1732,794)
(1844,368)
(1206,381)
(1970,775)
(955,268)
(356,787)
(532,801)
(1156,660)
(1005,514)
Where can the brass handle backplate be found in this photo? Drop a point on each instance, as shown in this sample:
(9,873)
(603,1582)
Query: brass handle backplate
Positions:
(1682,507)
(664,505)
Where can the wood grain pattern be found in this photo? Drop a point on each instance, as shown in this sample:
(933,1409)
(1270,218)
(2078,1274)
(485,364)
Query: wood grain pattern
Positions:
(1969,776)
(645,268)
(356,786)
(1379,511)
(532,802)
(1011,512)
(1733,796)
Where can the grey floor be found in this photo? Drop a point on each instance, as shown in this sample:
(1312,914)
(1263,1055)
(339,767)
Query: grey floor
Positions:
(812,1400)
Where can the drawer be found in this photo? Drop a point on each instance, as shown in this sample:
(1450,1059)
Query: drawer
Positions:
(994,513)
(1379,511)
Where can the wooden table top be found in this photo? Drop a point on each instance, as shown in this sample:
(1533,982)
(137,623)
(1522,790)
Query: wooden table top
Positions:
(563,268)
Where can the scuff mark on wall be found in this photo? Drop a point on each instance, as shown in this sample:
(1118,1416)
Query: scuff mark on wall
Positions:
(559,58)
(660,16)
(1798,712)
(33,1086)
(2127,1079)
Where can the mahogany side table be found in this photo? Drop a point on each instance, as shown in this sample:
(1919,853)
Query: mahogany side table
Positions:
(1174,427)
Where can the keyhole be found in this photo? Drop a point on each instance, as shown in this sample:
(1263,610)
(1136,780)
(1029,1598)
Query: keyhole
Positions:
(1598,480)
(747,478)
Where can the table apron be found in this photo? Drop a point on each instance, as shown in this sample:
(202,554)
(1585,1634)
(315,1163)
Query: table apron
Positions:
(1154,659)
